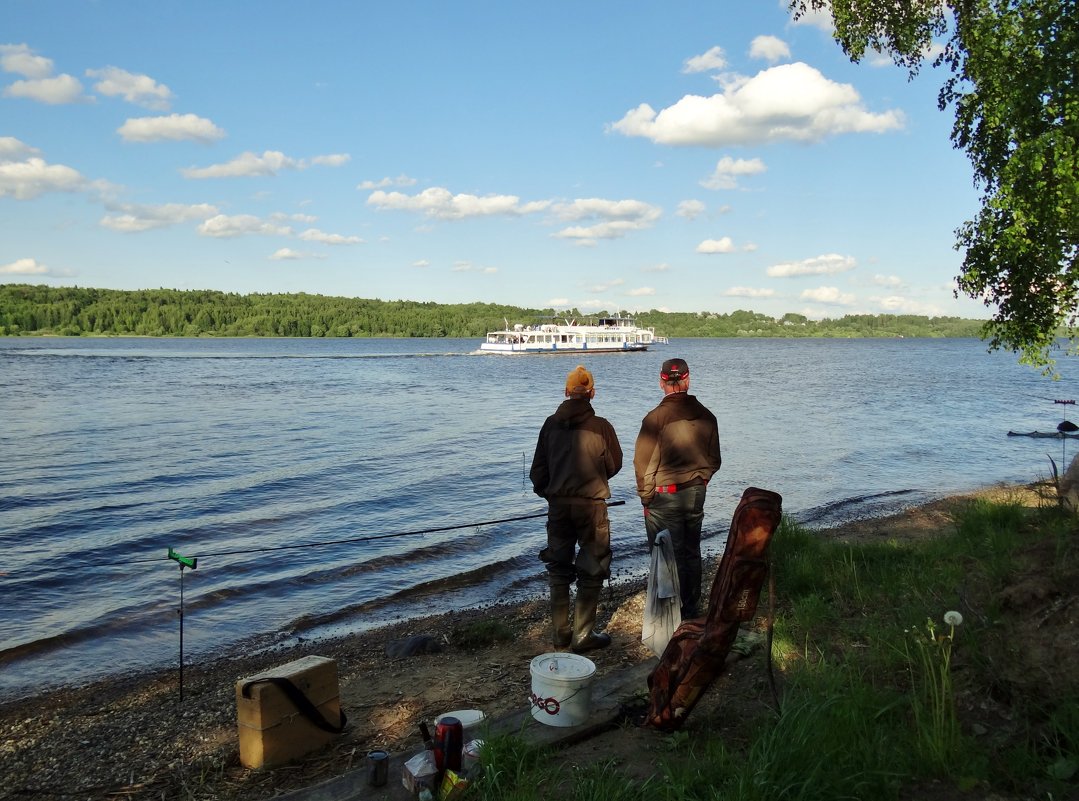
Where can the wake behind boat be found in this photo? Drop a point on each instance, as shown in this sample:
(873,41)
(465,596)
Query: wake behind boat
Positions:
(604,335)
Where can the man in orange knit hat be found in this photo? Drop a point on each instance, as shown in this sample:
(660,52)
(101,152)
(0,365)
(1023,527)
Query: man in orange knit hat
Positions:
(576,455)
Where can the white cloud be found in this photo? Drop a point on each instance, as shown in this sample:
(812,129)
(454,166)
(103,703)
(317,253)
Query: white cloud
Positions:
(224,226)
(332,160)
(400,180)
(142,90)
(421,263)
(596,304)
(301,218)
(888,280)
(27,179)
(728,171)
(821,19)
(39,83)
(748,292)
(174,127)
(270,162)
(690,209)
(714,59)
(829,295)
(288,254)
(469,267)
(898,304)
(588,235)
(315,235)
(723,245)
(934,50)
(828,264)
(657,268)
(12,149)
(135,219)
(769,48)
(558,303)
(245,165)
(24,267)
(439,203)
(56,91)
(791,102)
(585,208)
(597,289)
(616,218)
(20,59)
(641,292)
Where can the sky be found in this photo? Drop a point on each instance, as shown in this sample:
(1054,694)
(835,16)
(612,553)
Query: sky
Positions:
(684,157)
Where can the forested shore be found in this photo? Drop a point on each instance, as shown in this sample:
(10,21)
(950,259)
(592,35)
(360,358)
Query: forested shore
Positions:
(39,310)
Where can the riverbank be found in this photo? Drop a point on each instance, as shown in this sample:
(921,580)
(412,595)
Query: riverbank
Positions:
(130,736)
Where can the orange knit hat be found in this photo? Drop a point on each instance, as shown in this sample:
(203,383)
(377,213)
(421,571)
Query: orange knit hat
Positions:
(579,381)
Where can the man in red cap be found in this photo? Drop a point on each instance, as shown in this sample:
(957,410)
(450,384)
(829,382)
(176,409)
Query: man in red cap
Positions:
(576,455)
(676,454)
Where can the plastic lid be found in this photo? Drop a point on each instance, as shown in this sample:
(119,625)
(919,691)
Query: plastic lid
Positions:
(468,717)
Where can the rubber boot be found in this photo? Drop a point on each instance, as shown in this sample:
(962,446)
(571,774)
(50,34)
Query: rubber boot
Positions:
(561,631)
(586,638)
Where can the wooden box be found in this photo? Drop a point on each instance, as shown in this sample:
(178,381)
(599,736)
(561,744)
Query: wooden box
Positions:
(272,728)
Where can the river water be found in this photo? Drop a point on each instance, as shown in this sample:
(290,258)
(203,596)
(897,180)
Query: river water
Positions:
(401,468)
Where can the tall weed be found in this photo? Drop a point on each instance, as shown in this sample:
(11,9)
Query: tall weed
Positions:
(933,702)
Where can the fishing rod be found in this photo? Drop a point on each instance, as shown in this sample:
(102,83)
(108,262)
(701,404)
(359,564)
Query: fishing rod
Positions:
(192,561)
(371,538)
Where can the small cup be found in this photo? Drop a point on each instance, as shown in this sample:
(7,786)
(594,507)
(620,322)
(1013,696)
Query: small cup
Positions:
(378,764)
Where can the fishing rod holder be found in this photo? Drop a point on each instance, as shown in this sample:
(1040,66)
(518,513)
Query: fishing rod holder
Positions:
(184,561)
(193,563)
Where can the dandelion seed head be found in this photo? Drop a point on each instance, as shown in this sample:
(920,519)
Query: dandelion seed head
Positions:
(953,618)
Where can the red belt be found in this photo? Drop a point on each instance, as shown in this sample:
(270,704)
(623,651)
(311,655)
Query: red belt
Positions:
(693,482)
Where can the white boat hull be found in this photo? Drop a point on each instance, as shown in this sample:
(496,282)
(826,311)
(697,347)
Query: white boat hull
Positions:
(608,335)
(488,347)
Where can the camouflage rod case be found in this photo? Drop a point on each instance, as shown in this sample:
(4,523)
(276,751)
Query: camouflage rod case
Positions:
(695,656)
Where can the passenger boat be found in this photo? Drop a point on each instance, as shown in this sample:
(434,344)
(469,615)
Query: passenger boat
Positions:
(602,335)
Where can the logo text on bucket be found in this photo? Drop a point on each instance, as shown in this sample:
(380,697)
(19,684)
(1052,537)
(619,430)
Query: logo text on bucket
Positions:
(548,705)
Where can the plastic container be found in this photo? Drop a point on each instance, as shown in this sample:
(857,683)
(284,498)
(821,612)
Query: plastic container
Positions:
(470,756)
(561,689)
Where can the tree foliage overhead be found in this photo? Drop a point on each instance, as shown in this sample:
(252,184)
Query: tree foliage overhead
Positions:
(1013,85)
(79,311)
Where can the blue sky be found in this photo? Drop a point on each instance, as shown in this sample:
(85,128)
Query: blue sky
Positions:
(687,156)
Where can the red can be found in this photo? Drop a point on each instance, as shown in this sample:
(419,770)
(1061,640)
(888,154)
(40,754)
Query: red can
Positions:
(449,735)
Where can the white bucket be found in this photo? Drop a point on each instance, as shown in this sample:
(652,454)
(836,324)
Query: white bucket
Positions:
(561,689)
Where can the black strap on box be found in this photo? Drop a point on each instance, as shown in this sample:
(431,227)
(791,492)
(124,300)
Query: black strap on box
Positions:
(301,702)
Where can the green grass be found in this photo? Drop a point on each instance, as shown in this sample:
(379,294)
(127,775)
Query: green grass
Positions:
(870,683)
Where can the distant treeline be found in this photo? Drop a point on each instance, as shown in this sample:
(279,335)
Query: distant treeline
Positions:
(78,311)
